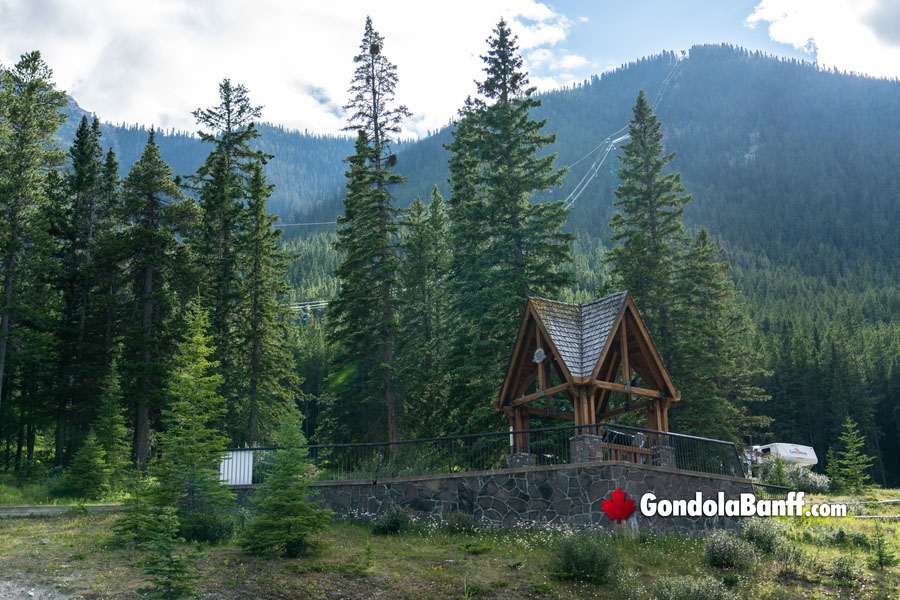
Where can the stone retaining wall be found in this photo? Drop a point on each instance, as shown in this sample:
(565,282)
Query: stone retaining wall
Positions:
(562,494)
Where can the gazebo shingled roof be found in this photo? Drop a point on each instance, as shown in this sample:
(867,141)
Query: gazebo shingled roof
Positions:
(595,349)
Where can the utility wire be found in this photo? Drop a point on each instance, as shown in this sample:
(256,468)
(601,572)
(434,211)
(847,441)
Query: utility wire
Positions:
(609,143)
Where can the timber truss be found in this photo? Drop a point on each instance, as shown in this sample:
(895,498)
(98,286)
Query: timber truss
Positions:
(585,353)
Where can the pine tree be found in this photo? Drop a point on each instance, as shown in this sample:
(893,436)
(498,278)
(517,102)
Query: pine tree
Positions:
(223,182)
(29,119)
(265,363)
(424,312)
(648,230)
(284,517)
(109,426)
(364,317)
(78,350)
(853,463)
(506,246)
(167,569)
(713,360)
(153,204)
(88,477)
(191,445)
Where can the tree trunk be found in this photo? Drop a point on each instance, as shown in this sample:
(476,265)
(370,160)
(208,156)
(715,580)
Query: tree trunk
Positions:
(142,418)
(9,281)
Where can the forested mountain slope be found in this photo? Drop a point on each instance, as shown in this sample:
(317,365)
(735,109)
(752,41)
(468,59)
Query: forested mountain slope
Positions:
(306,167)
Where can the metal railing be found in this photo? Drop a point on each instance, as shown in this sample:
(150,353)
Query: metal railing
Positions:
(768,491)
(487,451)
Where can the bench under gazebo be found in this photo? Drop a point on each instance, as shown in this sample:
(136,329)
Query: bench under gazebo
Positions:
(587,363)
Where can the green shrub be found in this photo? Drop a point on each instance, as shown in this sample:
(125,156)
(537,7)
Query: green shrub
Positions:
(835,536)
(761,532)
(284,516)
(394,520)
(791,560)
(167,569)
(477,547)
(460,522)
(843,568)
(882,555)
(88,477)
(690,588)
(585,556)
(725,551)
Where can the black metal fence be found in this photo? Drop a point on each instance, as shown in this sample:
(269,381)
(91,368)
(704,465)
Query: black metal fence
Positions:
(767,491)
(486,451)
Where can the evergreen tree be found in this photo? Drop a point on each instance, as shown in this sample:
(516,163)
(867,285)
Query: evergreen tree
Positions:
(506,247)
(88,477)
(223,182)
(853,463)
(191,445)
(109,427)
(167,569)
(713,359)
(29,119)
(424,312)
(365,321)
(154,205)
(266,366)
(354,314)
(77,350)
(648,230)
(284,517)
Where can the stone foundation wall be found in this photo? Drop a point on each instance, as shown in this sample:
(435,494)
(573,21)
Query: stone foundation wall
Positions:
(562,494)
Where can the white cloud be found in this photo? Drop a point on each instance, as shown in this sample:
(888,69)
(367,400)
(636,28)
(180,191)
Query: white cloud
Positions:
(569,62)
(154,62)
(843,34)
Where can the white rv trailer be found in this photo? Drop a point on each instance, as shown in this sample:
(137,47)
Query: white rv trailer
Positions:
(794,454)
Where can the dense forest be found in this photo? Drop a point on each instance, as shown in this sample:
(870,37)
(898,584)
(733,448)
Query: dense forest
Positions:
(784,275)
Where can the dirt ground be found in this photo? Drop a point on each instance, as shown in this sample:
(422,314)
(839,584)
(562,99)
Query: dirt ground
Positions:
(15,589)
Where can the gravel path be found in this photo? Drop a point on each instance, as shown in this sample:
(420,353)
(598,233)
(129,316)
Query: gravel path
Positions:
(14,589)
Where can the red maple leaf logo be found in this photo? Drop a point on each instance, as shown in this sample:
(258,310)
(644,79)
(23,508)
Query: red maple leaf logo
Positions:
(618,508)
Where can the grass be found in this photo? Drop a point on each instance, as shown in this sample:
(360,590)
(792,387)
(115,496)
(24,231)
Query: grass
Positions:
(47,491)
(428,561)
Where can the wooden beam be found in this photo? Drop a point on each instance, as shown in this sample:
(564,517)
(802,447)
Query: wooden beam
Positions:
(532,397)
(666,383)
(621,411)
(652,367)
(512,368)
(618,387)
(626,368)
(603,398)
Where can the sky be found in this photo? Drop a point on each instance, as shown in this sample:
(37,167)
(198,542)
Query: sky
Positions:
(153,62)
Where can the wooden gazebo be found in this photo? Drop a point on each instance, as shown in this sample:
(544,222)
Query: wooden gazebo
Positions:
(585,352)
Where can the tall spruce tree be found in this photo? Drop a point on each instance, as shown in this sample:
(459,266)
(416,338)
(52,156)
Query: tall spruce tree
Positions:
(364,316)
(265,363)
(507,246)
(424,312)
(223,182)
(191,445)
(648,232)
(683,290)
(79,368)
(853,463)
(154,205)
(715,361)
(29,118)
